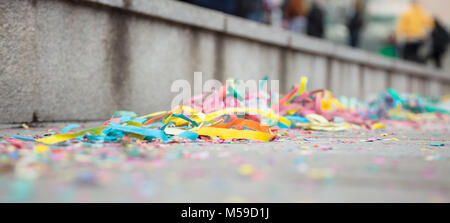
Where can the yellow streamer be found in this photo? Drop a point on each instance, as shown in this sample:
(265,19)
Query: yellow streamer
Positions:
(63,137)
(378,126)
(303,82)
(154,114)
(234,134)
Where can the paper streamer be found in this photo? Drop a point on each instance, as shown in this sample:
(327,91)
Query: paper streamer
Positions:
(188,135)
(63,137)
(153,133)
(245,123)
(24,138)
(69,127)
(234,134)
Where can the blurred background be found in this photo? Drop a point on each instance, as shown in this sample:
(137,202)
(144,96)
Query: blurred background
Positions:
(373,28)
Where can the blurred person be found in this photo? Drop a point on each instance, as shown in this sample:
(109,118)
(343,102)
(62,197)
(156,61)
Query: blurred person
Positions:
(355,24)
(250,9)
(315,20)
(295,13)
(389,49)
(440,39)
(226,6)
(412,29)
(275,11)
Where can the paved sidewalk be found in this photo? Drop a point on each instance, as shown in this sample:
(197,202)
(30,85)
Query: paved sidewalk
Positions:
(401,166)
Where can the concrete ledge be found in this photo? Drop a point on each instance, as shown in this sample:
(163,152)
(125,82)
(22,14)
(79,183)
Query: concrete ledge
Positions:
(406,67)
(174,11)
(111,3)
(244,28)
(377,61)
(419,71)
(311,45)
(351,54)
(17,61)
(436,74)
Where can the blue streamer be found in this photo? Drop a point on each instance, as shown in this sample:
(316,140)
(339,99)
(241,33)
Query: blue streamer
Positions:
(126,118)
(154,133)
(24,138)
(185,118)
(297,118)
(188,135)
(69,127)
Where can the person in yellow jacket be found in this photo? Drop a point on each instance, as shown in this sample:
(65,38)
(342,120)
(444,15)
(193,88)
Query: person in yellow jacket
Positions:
(412,29)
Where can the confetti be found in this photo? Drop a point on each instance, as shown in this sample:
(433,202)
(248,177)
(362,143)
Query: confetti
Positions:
(40,148)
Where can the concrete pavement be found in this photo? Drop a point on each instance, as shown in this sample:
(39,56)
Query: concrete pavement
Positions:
(349,166)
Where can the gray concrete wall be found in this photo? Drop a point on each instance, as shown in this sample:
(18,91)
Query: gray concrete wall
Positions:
(82,60)
(17,61)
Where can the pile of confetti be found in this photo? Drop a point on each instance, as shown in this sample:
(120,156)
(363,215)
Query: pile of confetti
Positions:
(227,115)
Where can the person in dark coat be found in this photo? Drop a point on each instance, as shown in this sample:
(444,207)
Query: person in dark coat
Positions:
(315,21)
(355,24)
(440,40)
(250,9)
(226,6)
